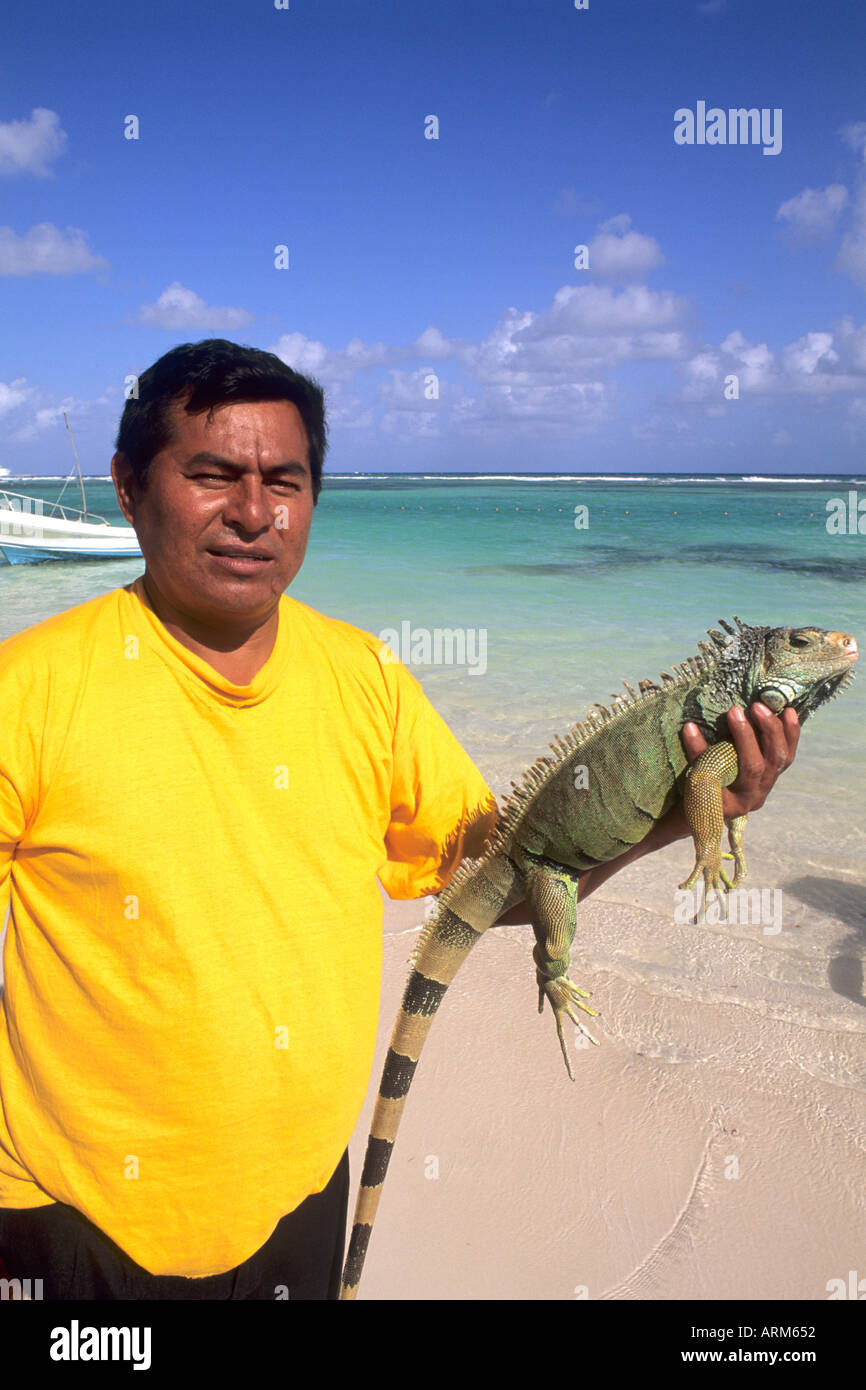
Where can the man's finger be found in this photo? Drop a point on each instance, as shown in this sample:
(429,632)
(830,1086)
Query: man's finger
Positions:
(749,755)
(774,743)
(694,742)
(791,726)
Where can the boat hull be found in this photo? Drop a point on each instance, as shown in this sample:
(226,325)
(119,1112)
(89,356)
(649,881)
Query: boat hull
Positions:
(33,555)
(28,539)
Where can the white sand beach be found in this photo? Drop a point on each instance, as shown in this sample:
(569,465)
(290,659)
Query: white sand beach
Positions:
(711,1147)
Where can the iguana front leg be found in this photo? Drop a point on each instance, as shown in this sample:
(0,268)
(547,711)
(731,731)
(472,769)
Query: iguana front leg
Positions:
(551,897)
(715,769)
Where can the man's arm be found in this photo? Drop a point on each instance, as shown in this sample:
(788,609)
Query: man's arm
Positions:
(761,763)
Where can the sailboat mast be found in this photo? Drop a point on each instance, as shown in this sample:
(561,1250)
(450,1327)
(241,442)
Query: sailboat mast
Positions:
(77,468)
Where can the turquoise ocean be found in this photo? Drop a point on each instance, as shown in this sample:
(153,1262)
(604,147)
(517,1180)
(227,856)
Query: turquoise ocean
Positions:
(553,616)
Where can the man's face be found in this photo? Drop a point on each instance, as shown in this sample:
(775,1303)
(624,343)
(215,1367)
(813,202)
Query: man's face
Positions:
(224,517)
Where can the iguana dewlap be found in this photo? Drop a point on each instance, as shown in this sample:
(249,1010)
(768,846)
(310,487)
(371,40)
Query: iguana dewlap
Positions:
(607,784)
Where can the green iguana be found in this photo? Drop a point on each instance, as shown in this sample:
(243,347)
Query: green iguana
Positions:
(607,784)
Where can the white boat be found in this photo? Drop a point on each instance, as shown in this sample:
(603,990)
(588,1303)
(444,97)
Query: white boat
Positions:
(32,529)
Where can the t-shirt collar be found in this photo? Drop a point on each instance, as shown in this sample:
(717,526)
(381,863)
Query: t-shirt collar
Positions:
(218,686)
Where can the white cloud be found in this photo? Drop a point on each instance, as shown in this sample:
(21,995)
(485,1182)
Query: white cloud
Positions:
(180,309)
(550,370)
(346,409)
(704,367)
(46,250)
(565,404)
(14,394)
(852,341)
(854,135)
(851,259)
(406,391)
(306,355)
(819,364)
(756,357)
(814,212)
(751,363)
(41,411)
(433,345)
(30,412)
(810,350)
(597,309)
(336,369)
(44,419)
(587,328)
(407,410)
(617,253)
(540,368)
(332,365)
(28,146)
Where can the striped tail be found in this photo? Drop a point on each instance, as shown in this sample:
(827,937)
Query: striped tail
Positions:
(477,895)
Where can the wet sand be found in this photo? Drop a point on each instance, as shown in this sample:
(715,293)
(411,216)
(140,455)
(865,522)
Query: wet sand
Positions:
(713,1146)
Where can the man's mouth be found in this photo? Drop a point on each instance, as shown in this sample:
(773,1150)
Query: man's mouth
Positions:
(241,559)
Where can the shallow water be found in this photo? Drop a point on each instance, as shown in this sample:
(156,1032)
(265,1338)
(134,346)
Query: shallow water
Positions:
(554,616)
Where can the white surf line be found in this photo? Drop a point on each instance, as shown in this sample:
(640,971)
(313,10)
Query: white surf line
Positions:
(642,1282)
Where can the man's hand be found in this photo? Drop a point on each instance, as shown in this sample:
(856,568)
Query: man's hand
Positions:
(761,762)
(760,765)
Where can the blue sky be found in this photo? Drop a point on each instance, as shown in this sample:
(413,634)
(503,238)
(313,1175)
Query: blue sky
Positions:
(452,258)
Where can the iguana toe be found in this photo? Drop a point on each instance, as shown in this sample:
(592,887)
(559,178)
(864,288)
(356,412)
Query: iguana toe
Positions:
(564,996)
(709,867)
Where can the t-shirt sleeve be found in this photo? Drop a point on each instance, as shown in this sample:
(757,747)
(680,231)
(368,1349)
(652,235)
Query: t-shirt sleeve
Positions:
(442,810)
(19,762)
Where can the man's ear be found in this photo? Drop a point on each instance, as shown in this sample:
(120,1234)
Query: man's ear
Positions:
(123,477)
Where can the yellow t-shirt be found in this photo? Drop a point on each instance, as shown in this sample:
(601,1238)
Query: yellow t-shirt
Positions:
(193,957)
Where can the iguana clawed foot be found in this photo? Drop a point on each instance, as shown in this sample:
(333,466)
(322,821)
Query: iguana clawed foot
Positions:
(564,997)
(709,865)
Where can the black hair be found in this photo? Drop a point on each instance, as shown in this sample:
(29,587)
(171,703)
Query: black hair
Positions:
(208,374)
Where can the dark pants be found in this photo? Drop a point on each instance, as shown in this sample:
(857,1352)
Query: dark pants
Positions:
(302,1258)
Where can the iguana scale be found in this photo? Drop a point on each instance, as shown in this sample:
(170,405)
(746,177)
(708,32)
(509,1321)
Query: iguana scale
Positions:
(556,823)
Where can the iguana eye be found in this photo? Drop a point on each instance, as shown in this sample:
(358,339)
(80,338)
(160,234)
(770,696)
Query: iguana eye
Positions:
(798,641)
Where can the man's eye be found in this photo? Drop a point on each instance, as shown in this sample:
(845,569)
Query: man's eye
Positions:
(224,478)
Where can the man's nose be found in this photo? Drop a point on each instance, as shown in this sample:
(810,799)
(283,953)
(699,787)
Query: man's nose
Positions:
(247,505)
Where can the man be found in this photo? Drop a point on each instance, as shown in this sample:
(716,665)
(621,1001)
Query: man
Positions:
(200,782)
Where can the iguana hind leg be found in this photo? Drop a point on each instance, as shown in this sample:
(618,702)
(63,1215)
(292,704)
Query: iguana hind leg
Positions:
(551,897)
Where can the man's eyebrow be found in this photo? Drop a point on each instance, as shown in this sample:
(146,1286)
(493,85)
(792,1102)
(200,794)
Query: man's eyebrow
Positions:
(216,460)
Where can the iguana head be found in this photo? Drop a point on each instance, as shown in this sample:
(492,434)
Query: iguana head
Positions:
(799,666)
